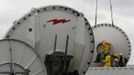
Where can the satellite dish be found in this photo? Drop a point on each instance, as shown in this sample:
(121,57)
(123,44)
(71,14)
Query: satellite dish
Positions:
(39,28)
(18,58)
(118,39)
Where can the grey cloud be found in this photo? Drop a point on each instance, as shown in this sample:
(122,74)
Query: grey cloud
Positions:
(123,3)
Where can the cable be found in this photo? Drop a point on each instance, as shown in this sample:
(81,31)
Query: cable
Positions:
(11,58)
(96,12)
(111,10)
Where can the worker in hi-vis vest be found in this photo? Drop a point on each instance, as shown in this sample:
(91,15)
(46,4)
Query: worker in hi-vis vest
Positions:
(106,46)
(107,61)
(107,50)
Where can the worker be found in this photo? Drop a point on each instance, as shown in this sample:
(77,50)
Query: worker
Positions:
(107,61)
(106,46)
(115,62)
(121,62)
(125,61)
(103,49)
(100,55)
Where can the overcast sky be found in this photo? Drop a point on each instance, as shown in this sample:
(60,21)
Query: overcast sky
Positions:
(11,10)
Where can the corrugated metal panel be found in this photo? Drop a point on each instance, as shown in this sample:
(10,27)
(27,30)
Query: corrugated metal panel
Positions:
(129,70)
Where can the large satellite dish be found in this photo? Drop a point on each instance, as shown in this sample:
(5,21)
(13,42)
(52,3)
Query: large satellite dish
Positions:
(39,28)
(18,58)
(119,40)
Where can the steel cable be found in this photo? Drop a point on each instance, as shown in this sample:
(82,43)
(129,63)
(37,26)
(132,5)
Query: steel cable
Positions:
(111,11)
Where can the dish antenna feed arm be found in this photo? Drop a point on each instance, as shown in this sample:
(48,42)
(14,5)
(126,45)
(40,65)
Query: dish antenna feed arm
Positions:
(57,63)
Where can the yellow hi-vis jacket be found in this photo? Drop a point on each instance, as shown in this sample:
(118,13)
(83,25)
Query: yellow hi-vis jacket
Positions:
(107,61)
(106,48)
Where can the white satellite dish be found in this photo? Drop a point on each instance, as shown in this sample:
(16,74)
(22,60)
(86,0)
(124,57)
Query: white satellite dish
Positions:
(39,27)
(119,40)
(18,58)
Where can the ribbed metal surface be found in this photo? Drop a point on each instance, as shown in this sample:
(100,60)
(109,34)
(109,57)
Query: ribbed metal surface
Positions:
(129,70)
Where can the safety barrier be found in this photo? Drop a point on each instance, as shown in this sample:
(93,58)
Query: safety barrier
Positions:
(129,70)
